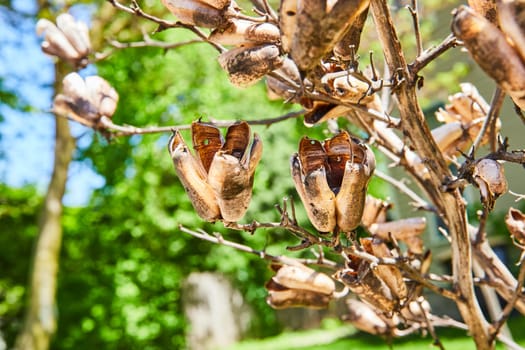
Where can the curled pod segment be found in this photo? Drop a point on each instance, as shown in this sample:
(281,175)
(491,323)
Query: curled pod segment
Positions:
(194,179)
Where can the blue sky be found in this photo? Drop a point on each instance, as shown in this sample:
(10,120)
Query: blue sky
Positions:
(28,137)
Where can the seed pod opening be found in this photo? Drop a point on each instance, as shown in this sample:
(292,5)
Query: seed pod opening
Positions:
(331,179)
(196,12)
(86,100)
(219,178)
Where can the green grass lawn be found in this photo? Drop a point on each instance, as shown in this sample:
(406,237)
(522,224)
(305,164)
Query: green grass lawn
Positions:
(345,337)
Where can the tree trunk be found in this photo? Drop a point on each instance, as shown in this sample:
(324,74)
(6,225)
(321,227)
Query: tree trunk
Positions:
(41,316)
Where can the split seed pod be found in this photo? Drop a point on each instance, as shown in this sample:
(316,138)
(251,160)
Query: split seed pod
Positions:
(389,274)
(489,176)
(246,65)
(243,32)
(296,285)
(490,49)
(86,100)
(331,179)
(68,39)
(219,179)
(208,14)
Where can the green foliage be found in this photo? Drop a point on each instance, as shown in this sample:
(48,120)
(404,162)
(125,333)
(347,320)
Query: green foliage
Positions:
(19,208)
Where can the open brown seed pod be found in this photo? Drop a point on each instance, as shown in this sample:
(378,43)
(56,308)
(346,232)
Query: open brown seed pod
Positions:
(247,65)
(389,274)
(86,100)
(490,49)
(219,178)
(331,179)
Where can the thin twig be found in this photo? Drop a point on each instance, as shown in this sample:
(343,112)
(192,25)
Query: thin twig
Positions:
(415,19)
(495,105)
(431,54)
(127,130)
(135,9)
(419,203)
(218,239)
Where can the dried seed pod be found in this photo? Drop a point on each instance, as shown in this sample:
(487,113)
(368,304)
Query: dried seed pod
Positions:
(76,32)
(367,286)
(489,176)
(243,32)
(280,297)
(332,179)
(102,95)
(194,179)
(195,12)
(69,41)
(85,101)
(490,49)
(375,211)
(219,179)
(387,273)
(298,276)
(407,231)
(486,8)
(309,175)
(450,138)
(347,87)
(515,221)
(351,165)
(232,169)
(512,22)
(246,65)
(365,318)
(323,24)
